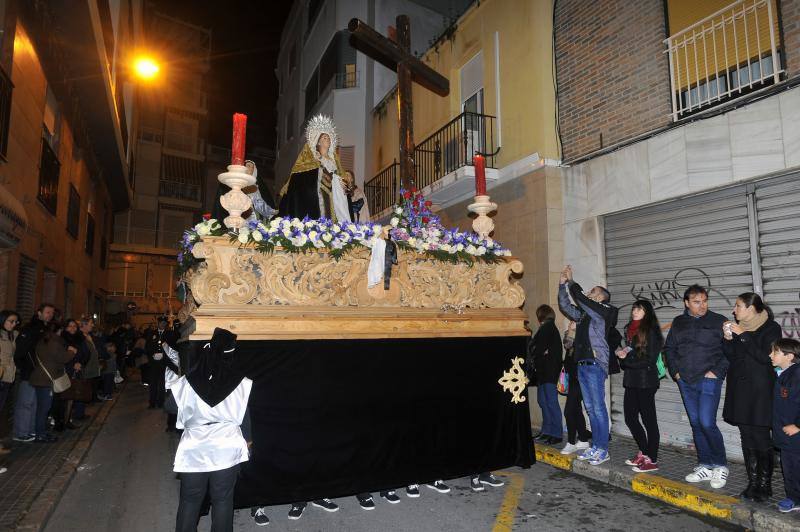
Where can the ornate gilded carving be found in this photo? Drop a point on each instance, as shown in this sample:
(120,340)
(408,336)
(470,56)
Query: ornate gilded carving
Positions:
(515,381)
(241,275)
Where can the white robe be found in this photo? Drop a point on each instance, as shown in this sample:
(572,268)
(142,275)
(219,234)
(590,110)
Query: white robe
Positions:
(212,438)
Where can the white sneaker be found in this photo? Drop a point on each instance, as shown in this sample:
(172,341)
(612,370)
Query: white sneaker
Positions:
(582,444)
(570,448)
(719,477)
(700,474)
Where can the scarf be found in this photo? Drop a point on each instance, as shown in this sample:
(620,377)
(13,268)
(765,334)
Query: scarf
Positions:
(212,374)
(633,328)
(755,322)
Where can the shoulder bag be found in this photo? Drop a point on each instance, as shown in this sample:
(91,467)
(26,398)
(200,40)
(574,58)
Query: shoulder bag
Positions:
(60,384)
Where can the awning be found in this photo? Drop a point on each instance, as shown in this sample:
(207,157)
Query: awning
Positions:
(13,220)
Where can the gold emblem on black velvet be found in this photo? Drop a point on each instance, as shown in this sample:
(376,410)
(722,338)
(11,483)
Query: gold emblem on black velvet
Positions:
(515,381)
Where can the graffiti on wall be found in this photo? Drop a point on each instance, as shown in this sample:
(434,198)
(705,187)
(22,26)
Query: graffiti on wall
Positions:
(668,293)
(789,320)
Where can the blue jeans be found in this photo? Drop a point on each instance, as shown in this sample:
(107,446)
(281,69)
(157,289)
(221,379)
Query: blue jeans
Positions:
(547,397)
(24,410)
(44,399)
(593,385)
(701,400)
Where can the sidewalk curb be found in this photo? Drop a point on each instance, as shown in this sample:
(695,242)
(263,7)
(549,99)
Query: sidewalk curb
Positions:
(42,507)
(757,517)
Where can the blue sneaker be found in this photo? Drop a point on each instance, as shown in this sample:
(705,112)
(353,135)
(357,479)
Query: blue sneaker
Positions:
(788,505)
(599,457)
(588,453)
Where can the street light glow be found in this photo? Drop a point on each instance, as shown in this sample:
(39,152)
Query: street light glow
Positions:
(146,68)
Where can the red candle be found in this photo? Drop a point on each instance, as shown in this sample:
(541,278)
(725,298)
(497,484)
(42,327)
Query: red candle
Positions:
(479,161)
(239,131)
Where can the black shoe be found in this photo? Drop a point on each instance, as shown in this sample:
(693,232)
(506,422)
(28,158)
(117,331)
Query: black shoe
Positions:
(259,516)
(490,480)
(365,501)
(58,427)
(541,438)
(72,426)
(412,490)
(439,486)
(296,511)
(390,496)
(766,463)
(751,467)
(475,484)
(555,441)
(47,438)
(326,504)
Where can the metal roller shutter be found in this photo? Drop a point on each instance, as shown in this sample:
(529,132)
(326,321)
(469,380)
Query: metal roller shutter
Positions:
(654,253)
(778,208)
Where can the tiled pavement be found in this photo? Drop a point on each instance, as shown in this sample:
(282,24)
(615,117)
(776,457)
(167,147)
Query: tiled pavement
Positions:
(668,484)
(40,471)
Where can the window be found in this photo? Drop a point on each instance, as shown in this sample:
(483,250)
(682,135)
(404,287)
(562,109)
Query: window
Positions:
(89,234)
(720,50)
(51,121)
(160,281)
(73,212)
(69,287)
(49,168)
(6,87)
(49,286)
(314,8)
(26,287)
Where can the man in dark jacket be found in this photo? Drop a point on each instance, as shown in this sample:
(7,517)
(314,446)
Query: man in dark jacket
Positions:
(156,363)
(697,363)
(594,316)
(24,357)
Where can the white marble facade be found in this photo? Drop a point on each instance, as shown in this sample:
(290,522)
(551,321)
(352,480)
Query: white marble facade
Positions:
(754,140)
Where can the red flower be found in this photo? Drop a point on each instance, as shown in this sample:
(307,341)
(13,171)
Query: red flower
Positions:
(414,190)
(425,219)
(407,194)
(428,204)
(207,216)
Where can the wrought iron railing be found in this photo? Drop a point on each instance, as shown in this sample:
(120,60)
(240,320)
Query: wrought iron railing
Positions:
(179,190)
(723,56)
(445,151)
(453,146)
(380,191)
(346,80)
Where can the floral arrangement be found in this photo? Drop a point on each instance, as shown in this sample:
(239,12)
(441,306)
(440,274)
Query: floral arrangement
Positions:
(412,226)
(415,227)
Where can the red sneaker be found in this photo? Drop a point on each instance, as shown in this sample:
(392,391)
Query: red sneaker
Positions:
(636,460)
(646,466)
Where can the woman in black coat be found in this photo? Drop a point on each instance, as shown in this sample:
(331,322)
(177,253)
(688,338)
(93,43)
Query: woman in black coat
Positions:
(644,342)
(748,396)
(547,354)
(75,344)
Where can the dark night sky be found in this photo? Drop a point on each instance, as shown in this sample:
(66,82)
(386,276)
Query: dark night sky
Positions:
(245,42)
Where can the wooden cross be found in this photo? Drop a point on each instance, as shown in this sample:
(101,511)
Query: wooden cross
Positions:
(397,56)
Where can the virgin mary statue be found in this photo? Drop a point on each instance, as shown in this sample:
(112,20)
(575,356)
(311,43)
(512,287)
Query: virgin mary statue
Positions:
(315,187)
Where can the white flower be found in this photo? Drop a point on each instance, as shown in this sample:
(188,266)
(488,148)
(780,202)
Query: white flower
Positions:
(412,242)
(327,237)
(287,232)
(426,246)
(481,250)
(201,229)
(398,210)
(274,223)
(313,234)
(243,235)
(459,247)
(257,236)
(471,249)
(394,222)
(336,228)
(310,224)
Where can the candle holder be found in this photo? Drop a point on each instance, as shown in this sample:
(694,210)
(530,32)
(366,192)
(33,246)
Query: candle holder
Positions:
(483,225)
(235,201)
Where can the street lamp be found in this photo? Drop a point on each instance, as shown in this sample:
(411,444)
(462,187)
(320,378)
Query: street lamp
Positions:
(145,68)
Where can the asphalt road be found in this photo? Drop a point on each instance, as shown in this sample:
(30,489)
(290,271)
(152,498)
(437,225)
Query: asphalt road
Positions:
(126,484)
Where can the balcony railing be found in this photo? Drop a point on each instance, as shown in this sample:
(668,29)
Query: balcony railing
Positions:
(346,80)
(448,149)
(723,56)
(178,190)
(380,191)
